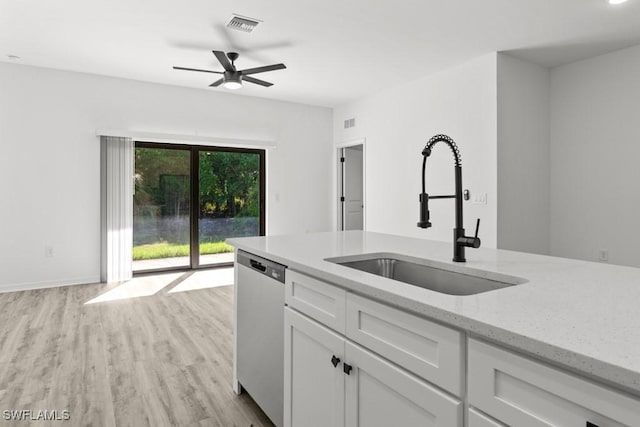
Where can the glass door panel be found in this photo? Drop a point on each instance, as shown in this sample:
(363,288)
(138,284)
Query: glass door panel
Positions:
(161,206)
(229,202)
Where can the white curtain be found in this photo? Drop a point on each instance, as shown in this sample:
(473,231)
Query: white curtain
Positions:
(117,208)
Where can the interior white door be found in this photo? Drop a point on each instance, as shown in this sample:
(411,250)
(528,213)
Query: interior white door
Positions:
(353,188)
(313,374)
(380,394)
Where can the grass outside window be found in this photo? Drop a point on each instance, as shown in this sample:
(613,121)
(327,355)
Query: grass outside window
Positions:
(171,250)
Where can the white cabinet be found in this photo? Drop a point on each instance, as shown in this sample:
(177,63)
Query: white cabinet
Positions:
(313,387)
(362,389)
(430,350)
(317,299)
(522,392)
(405,370)
(478,419)
(380,394)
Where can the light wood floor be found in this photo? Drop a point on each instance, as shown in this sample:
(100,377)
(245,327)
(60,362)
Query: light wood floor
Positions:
(161,360)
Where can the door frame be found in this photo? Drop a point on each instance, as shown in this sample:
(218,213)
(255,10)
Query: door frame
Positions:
(337,153)
(194,153)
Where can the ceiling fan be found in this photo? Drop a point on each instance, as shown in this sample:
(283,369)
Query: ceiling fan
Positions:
(232,78)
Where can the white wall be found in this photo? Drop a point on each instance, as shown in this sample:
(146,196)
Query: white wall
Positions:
(595,157)
(50,165)
(398,122)
(523,156)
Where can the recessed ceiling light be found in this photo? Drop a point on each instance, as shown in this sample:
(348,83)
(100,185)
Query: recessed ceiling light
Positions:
(616,1)
(13,58)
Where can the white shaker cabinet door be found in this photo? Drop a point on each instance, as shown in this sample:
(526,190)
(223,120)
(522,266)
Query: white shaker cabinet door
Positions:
(313,386)
(381,394)
(477,419)
(526,393)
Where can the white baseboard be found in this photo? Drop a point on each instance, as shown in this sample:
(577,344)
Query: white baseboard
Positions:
(49,284)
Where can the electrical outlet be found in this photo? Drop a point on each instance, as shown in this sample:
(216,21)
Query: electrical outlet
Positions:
(479,199)
(48,251)
(603,255)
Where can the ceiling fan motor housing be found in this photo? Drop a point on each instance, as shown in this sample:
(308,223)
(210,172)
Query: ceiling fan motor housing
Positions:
(233,76)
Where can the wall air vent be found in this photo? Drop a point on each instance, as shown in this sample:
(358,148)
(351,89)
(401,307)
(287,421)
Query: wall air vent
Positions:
(349,123)
(242,23)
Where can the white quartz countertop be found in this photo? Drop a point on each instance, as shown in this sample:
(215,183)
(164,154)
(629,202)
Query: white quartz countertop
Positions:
(581,315)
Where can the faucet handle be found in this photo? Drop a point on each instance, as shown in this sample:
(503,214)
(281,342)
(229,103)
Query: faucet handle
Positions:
(470,242)
(474,242)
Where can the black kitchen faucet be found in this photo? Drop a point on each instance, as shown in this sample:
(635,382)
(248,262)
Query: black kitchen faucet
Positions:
(460,241)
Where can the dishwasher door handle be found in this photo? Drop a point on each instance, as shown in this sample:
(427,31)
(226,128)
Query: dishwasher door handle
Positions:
(257,265)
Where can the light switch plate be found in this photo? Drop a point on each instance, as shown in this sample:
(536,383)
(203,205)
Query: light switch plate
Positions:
(479,198)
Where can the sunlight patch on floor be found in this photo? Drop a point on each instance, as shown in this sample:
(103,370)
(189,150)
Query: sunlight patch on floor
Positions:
(206,279)
(137,287)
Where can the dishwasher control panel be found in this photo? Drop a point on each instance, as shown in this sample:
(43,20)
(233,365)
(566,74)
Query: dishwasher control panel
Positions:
(261,265)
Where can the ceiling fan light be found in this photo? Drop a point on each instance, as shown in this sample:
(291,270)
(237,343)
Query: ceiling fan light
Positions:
(232,84)
(232,80)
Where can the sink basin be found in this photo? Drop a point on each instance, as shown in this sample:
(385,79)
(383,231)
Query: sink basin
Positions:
(428,274)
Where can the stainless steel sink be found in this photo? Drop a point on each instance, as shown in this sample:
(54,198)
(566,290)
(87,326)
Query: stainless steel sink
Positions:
(418,272)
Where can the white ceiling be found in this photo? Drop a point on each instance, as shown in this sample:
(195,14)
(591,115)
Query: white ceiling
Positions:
(335,51)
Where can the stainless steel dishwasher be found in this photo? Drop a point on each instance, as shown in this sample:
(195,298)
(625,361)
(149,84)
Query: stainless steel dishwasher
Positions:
(260,332)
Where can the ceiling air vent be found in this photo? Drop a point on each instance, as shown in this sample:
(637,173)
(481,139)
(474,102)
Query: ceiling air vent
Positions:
(242,23)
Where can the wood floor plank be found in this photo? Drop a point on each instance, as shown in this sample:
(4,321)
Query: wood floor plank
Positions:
(12,335)
(160,360)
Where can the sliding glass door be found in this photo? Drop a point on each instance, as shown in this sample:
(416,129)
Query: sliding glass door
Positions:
(189,199)
(161,208)
(230,200)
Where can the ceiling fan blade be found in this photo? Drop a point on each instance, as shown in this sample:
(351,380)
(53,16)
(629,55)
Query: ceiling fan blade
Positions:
(195,69)
(263,69)
(256,81)
(216,83)
(222,57)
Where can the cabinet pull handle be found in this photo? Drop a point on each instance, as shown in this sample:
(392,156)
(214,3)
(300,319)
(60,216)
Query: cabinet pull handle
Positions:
(335,360)
(592,424)
(347,369)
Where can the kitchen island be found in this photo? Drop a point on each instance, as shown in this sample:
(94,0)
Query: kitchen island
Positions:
(576,317)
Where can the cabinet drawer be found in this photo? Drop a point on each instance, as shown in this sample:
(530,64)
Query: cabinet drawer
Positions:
(526,393)
(317,299)
(477,419)
(431,351)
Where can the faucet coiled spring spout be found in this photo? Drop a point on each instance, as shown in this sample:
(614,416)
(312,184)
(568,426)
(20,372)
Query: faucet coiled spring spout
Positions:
(426,152)
(460,241)
(447,140)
